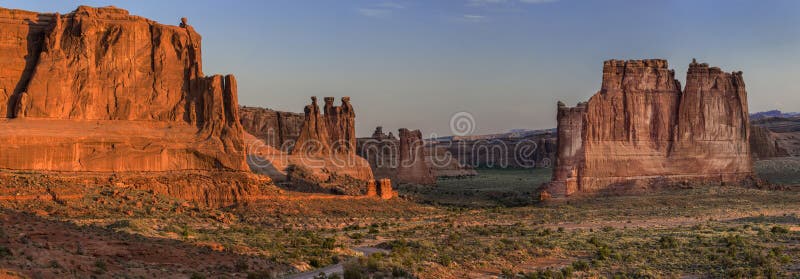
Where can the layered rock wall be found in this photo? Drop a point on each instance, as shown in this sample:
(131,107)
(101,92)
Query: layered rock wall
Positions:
(444,164)
(131,79)
(570,150)
(640,129)
(382,151)
(341,125)
(504,151)
(314,138)
(765,144)
(279,129)
(775,137)
(323,157)
(412,167)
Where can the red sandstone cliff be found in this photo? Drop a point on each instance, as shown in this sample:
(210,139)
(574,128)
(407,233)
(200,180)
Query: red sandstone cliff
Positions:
(101,90)
(775,137)
(279,129)
(640,129)
(101,95)
(341,125)
(314,138)
(765,144)
(322,158)
(412,166)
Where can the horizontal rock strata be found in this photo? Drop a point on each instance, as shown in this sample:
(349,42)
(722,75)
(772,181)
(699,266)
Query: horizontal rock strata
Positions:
(92,89)
(640,129)
(100,92)
(321,159)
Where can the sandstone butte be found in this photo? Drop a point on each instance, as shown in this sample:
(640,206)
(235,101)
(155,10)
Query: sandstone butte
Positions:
(278,129)
(101,91)
(407,159)
(641,130)
(321,157)
(412,167)
(775,137)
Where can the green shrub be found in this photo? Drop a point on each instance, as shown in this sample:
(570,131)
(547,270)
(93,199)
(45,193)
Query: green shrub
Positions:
(259,275)
(779,230)
(603,253)
(668,242)
(595,241)
(732,241)
(353,271)
(101,266)
(445,260)
(54,264)
(241,265)
(5,252)
(315,263)
(356,236)
(329,243)
(580,265)
(567,271)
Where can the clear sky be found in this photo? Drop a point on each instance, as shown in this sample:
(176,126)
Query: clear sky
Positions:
(415,63)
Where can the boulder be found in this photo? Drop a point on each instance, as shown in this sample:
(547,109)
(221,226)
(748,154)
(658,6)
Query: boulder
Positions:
(385,189)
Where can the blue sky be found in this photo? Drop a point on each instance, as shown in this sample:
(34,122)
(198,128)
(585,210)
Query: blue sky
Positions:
(414,63)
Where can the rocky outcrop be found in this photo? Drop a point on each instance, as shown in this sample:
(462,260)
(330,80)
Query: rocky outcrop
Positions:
(314,139)
(322,159)
(535,149)
(378,134)
(775,137)
(765,144)
(341,125)
(381,188)
(278,129)
(570,153)
(99,90)
(412,167)
(385,189)
(640,129)
(382,152)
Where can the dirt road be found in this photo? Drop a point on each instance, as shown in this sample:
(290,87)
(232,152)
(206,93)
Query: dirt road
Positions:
(336,268)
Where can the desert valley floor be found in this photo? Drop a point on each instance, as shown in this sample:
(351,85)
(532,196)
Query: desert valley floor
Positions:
(481,227)
(121,158)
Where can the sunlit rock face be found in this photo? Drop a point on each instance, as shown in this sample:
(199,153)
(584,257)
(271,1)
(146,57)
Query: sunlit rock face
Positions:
(316,155)
(640,129)
(279,129)
(101,90)
(412,167)
(409,159)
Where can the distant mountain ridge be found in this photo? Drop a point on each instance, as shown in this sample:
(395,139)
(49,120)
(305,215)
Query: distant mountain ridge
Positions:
(511,134)
(772,113)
